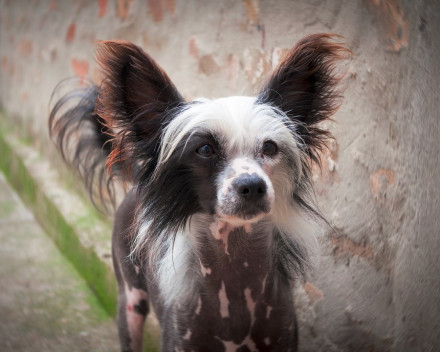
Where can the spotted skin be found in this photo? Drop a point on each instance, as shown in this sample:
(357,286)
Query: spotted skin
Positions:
(132,289)
(237,306)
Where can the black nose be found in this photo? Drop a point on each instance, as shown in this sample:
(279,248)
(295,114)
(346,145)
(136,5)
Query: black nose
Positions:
(250,187)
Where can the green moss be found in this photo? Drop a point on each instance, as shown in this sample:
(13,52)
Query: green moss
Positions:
(85,260)
(6,209)
(95,272)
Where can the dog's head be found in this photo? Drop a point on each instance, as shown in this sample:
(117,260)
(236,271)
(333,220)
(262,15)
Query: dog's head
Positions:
(240,159)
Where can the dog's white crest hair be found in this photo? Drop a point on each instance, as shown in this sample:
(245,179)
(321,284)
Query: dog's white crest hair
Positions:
(240,119)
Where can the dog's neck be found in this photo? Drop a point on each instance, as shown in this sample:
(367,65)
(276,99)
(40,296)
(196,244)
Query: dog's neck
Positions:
(236,259)
(246,247)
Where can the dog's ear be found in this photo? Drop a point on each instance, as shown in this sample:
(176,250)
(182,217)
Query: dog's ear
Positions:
(135,100)
(303,86)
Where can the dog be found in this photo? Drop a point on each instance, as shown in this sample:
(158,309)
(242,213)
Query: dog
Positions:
(210,233)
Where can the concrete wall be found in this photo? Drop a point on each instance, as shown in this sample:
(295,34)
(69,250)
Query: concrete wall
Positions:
(377,284)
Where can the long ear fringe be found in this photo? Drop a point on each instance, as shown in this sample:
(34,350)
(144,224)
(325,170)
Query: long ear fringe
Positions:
(305,87)
(134,99)
(82,140)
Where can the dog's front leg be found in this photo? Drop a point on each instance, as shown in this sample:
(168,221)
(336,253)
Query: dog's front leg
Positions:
(132,304)
(132,311)
(132,288)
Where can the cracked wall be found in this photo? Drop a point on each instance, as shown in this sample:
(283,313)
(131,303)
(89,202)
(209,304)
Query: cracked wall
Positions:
(376,282)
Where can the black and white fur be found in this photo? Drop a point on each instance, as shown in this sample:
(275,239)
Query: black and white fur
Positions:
(210,233)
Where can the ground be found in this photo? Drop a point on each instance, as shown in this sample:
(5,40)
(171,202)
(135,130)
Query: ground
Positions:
(45,305)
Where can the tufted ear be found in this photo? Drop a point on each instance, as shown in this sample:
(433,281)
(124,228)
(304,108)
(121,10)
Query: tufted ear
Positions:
(303,86)
(136,98)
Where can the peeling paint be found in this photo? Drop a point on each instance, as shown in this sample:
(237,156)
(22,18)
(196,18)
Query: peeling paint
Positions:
(4,63)
(380,180)
(256,65)
(208,65)
(80,67)
(278,55)
(344,245)
(102,6)
(326,174)
(70,34)
(193,49)
(123,8)
(313,292)
(252,11)
(394,25)
(26,47)
(156,8)
(53,5)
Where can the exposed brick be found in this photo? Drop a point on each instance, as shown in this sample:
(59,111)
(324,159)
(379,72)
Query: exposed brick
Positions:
(193,49)
(4,63)
(256,65)
(123,8)
(207,65)
(80,67)
(25,96)
(344,245)
(102,5)
(70,34)
(392,21)
(170,5)
(155,10)
(26,47)
(53,5)
(314,293)
(326,173)
(380,179)
(278,55)
(252,11)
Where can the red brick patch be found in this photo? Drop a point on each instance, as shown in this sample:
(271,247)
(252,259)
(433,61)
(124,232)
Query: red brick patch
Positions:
(193,49)
(344,245)
(102,5)
(207,65)
(80,67)
(380,179)
(123,8)
(252,11)
(26,47)
(394,26)
(314,293)
(4,63)
(70,34)
(53,5)
(155,10)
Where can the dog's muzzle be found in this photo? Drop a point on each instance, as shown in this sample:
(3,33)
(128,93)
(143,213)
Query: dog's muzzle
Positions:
(246,195)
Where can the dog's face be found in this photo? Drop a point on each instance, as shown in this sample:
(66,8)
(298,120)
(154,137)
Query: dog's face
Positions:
(242,157)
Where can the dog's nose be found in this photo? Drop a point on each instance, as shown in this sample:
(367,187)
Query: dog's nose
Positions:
(250,187)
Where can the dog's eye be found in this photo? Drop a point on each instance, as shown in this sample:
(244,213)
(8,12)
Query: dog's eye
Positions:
(206,150)
(269,148)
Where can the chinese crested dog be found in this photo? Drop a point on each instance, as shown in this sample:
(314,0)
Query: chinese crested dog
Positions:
(210,232)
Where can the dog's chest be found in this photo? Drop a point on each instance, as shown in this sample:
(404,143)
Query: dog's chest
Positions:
(235,307)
